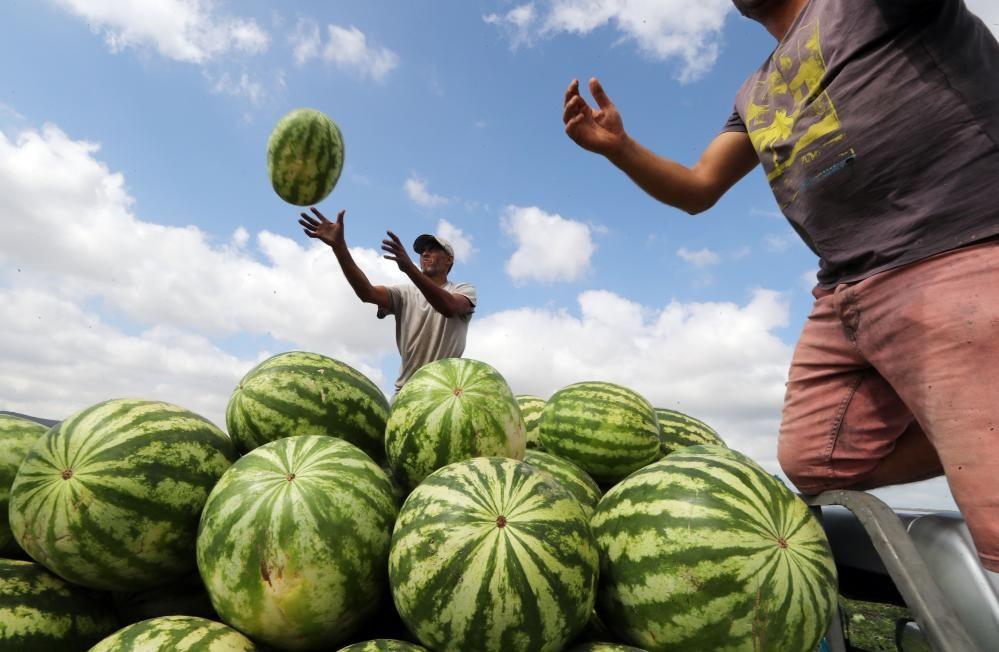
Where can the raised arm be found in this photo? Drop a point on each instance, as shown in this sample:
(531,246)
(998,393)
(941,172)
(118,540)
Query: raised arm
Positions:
(728,158)
(449,304)
(332,234)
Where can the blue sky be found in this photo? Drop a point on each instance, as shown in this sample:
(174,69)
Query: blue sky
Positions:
(143,252)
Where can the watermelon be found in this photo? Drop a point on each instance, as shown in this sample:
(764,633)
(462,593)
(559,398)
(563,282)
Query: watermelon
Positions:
(304,157)
(680,430)
(384,645)
(530,409)
(294,541)
(176,634)
(715,449)
(17,436)
(185,597)
(703,552)
(110,498)
(452,410)
(490,554)
(607,430)
(39,611)
(604,647)
(572,478)
(299,393)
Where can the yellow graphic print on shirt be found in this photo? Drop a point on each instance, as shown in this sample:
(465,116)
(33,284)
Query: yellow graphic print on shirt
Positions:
(791,119)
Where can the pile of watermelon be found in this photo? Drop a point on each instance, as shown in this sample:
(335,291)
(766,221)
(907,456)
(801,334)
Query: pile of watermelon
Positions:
(460,517)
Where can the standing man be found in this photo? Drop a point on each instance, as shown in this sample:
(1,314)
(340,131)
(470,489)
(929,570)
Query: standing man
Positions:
(877,124)
(431,314)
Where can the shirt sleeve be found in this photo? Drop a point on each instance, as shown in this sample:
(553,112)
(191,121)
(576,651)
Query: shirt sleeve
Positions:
(467,290)
(735,123)
(396,298)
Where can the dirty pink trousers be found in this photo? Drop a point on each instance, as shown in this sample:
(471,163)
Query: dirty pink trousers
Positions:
(915,347)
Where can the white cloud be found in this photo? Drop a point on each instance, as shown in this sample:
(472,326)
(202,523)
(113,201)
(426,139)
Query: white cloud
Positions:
(346,48)
(988,11)
(720,362)
(550,247)
(462,243)
(778,242)
(664,30)
(518,24)
(71,244)
(183,30)
(242,86)
(700,259)
(416,190)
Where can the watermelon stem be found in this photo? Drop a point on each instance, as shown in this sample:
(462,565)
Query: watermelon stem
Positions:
(67,474)
(501,521)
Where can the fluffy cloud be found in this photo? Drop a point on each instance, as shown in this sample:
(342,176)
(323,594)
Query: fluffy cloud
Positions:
(720,362)
(416,190)
(346,48)
(183,30)
(550,248)
(462,243)
(664,30)
(700,259)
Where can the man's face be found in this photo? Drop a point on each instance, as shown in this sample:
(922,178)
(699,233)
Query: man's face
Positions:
(756,9)
(434,260)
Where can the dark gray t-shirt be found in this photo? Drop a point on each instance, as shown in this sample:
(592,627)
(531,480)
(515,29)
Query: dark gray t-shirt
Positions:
(877,123)
(423,334)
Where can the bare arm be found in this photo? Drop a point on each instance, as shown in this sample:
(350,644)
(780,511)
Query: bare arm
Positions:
(332,234)
(728,158)
(449,304)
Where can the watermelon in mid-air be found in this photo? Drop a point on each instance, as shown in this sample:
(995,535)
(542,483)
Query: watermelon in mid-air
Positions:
(305,157)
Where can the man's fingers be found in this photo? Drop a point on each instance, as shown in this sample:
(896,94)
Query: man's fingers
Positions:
(308,227)
(322,218)
(573,90)
(572,127)
(339,217)
(307,220)
(311,234)
(576,105)
(395,238)
(599,95)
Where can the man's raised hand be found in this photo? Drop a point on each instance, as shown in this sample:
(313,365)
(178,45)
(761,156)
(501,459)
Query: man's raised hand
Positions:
(600,131)
(396,251)
(319,227)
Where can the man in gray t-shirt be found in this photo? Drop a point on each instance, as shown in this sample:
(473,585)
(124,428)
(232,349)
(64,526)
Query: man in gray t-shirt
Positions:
(431,315)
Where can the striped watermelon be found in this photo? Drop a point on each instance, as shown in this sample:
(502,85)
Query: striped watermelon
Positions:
(572,478)
(17,436)
(39,611)
(680,430)
(607,430)
(703,552)
(304,157)
(489,554)
(384,645)
(451,410)
(176,634)
(530,409)
(605,647)
(294,541)
(721,451)
(299,393)
(110,498)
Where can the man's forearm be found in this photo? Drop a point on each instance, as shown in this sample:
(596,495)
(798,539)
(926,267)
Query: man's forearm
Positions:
(357,279)
(665,180)
(440,299)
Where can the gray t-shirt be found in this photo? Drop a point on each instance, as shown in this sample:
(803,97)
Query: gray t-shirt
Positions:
(423,334)
(877,123)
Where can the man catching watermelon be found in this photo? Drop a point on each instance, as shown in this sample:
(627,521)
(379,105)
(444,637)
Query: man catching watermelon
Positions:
(431,314)
(877,124)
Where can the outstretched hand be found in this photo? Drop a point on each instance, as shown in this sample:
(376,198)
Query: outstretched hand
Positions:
(397,252)
(321,228)
(600,131)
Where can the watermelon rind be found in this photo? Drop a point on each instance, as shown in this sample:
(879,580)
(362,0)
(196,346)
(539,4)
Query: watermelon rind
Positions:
(572,478)
(679,430)
(176,634)
(305,154)
(17,436)
(531,408)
